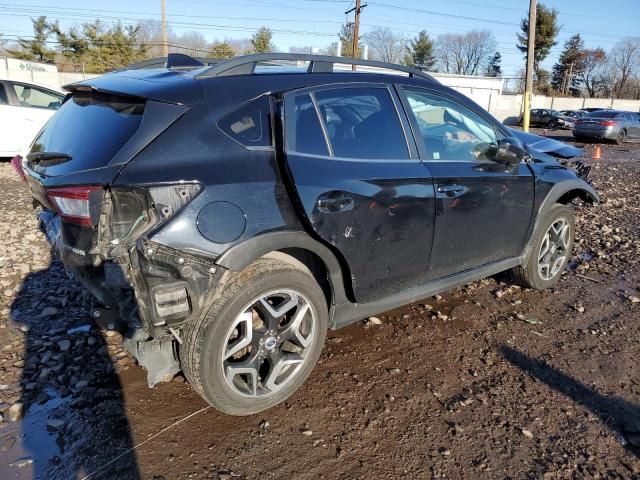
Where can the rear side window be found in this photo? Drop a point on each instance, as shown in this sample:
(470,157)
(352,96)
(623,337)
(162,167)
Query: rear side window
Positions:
(362,122)
(91,128)
(249,125)
(4,99)
(307,136)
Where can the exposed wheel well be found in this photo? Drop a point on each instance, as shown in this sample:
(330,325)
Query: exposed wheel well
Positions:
(310,262)
(571,195)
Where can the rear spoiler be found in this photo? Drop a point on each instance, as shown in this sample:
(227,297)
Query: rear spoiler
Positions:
(169,86)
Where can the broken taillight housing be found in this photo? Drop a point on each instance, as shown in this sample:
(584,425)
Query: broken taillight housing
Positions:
(135,210)
(79,205)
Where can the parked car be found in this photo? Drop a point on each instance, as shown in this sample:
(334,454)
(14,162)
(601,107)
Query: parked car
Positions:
(24,109)
(547,118)
(613,125)
(573,113)
(225,217)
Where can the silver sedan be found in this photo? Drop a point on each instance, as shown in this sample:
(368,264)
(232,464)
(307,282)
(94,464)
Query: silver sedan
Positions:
(613,125)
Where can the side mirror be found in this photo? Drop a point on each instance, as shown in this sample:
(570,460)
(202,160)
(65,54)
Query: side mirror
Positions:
(510,151)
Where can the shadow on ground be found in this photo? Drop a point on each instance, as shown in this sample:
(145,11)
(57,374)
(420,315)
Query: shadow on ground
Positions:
(75,420)
(621,416)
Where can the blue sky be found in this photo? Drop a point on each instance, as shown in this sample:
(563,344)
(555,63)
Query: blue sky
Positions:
(316,22)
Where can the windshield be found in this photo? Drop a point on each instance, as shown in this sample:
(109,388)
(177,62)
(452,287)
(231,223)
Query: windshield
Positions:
(91,128)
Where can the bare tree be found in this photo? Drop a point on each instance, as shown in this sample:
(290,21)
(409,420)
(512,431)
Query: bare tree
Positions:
(386,45)
(464,54)
(593,70)
(191,43)
(625,60)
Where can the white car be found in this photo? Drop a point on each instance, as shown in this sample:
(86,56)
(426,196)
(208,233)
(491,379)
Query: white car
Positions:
(24,109)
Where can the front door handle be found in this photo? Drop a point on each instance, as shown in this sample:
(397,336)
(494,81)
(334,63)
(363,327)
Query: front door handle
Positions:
(450,189)
(334,202)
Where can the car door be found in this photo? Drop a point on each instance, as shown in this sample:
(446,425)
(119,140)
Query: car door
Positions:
(11,122)
(483,209)
(33,107)
(535,117)
(361,184)
(633,122)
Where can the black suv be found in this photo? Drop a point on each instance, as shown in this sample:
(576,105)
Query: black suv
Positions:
(225,216)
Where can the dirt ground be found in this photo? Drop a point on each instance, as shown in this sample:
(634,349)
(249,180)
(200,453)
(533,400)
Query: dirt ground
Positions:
(487,381)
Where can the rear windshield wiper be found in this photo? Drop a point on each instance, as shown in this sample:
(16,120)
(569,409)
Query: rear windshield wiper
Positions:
(43,159)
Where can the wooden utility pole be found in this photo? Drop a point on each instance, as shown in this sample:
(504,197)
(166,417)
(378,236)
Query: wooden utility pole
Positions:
(356,29)
(528,86)
(165,42)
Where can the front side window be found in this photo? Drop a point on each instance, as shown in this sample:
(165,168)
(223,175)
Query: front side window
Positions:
(33,97)
(249,125)
(450,131)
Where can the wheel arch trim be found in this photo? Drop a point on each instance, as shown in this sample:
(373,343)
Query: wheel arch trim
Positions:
(578,186)
(243,254)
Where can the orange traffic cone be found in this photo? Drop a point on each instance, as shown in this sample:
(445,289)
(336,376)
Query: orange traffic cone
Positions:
(597,153)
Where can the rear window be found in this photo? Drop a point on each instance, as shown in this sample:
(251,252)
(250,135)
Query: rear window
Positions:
(91,128)
(603,114)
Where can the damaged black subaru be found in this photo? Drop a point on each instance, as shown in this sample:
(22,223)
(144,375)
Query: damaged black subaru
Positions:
(224,216)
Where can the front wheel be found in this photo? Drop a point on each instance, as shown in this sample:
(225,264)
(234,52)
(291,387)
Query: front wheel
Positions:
(259,340)
(621,137)
(551,248)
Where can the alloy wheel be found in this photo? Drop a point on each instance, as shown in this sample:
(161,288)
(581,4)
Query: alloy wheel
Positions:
(268,343)
(554,249)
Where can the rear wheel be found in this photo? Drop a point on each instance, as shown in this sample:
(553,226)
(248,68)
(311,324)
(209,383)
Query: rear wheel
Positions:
(551,249)
(259,340)
(621,137)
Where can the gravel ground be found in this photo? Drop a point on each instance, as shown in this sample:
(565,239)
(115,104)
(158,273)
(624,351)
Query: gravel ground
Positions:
(487,381)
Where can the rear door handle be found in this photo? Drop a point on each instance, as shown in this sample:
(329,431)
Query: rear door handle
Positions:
(335,202)
(450,188)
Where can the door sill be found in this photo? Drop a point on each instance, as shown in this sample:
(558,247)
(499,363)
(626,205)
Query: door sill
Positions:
(347,313)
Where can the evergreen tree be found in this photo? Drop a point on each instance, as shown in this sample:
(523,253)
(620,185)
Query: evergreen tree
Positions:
(261,41)
(494,69)
(346,38)
(546,31)
(222,50)
(566,73)
(420,52)
(36,49)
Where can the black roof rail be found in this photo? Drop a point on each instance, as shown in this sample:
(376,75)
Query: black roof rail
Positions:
(246,64)
(174,60)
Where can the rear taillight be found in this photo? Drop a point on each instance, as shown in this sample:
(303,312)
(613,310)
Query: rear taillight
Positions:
(17,164)
(79,205)
(608,123)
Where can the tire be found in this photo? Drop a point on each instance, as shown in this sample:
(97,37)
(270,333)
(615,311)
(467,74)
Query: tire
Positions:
(211,337)
(530,275)
(621,137)
(553,124)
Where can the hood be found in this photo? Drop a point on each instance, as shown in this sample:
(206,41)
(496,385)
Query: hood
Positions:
(546,145)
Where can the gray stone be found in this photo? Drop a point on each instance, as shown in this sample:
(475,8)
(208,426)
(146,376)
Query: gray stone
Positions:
(64,345)
(16,411)
(48,311)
